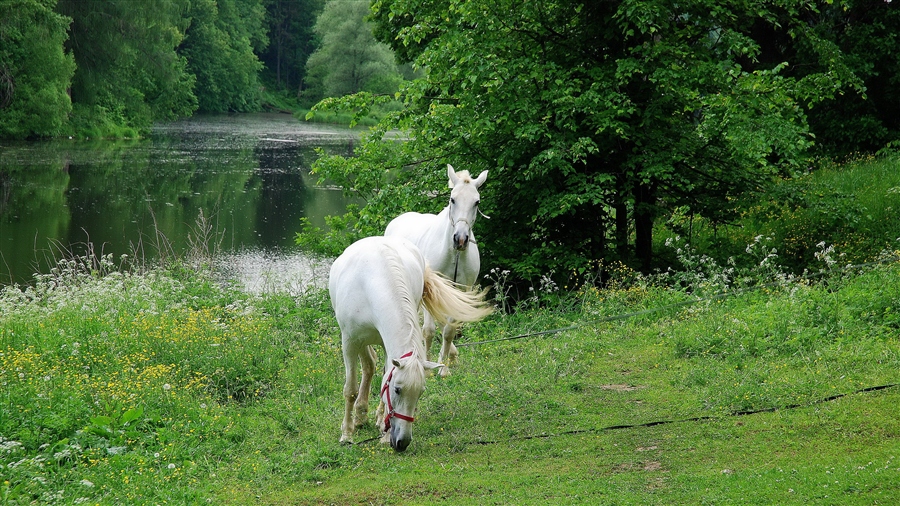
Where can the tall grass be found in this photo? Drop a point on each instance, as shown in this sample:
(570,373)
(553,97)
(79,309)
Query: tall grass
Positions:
(851,207)
(122,373)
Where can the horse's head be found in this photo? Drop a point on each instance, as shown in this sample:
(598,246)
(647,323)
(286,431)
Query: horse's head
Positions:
(464,200)
(400,392)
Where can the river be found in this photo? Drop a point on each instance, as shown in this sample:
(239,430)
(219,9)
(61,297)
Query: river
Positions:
(247,175)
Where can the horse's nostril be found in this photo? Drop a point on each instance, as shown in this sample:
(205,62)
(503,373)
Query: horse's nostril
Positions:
(460,241)
(399,444)
(401,447)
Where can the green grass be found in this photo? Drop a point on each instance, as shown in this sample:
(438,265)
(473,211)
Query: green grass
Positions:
(164,387)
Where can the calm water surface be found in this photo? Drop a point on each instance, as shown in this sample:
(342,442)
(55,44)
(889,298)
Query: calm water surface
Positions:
(247,174)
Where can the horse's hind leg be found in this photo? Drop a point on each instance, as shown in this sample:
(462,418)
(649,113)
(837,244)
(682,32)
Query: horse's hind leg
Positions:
(350,394)
(367,358)
(428,333)
(449,353)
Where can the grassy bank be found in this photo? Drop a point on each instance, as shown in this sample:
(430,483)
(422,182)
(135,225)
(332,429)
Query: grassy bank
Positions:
(164,387)
(284,102)
(850,207)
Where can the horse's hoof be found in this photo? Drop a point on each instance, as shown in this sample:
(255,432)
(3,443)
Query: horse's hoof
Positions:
(445,372)
(347,440)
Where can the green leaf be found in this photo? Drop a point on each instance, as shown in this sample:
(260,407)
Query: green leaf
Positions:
(132,415)
(101,421)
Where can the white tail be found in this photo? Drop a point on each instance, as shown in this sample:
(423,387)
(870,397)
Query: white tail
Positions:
(444,300)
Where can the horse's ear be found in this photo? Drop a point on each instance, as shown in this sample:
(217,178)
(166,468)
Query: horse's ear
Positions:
(480,179)
(431,365)
(451,174)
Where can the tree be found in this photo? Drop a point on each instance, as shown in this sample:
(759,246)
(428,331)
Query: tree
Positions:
(868,33)
(219,48)
(35,71)
(128,72)
(349,59)
(291,39)
(593,117)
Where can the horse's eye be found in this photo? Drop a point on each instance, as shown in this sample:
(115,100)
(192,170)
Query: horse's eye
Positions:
(397,390)
(477,202)
(452,201)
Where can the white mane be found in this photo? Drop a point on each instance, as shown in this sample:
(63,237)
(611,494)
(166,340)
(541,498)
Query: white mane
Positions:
(403,299)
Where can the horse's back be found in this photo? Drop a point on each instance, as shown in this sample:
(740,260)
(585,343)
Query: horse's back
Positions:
(412,226)
(371,275)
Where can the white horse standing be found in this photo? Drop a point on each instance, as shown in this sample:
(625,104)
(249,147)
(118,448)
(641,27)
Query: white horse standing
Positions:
(448,243)
(376,288)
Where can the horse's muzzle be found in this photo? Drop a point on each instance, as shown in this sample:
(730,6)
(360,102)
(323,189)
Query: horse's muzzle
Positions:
(399,443)
(460,241)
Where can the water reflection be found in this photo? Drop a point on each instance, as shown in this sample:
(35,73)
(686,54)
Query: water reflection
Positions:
(248,174)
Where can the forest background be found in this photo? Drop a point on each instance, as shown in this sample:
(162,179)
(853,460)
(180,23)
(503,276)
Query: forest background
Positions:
(110,68)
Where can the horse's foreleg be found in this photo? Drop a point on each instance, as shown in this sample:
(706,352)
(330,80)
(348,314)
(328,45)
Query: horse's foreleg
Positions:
(367,358)
(379,422)
(449,353)
(350,393)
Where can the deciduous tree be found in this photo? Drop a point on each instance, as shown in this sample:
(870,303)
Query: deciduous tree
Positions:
(128,72)
(35,71)
(349,59)
(219,47)
(593,117)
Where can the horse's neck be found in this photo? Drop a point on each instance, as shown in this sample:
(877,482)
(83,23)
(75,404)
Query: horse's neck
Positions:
(403,341)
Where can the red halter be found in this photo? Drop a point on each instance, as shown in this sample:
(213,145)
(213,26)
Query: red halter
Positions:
(386,393)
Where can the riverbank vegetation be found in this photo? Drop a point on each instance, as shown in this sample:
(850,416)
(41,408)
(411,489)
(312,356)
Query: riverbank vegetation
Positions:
(732,382)
(110,68)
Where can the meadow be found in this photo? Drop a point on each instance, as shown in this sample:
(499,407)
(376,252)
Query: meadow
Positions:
(714,384)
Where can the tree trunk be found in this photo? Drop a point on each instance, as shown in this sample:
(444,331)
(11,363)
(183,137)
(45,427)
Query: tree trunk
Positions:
(643,224)
(278,62)
(621,208)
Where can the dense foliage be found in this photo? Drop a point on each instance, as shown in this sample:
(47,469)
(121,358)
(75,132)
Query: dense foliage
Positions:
(866,31)
(220,46)
(596,118)
(34,69)
(291,41)
(128,73)
(101,68)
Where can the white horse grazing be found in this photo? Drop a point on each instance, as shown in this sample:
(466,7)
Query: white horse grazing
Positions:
(449,246)
(377,286)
